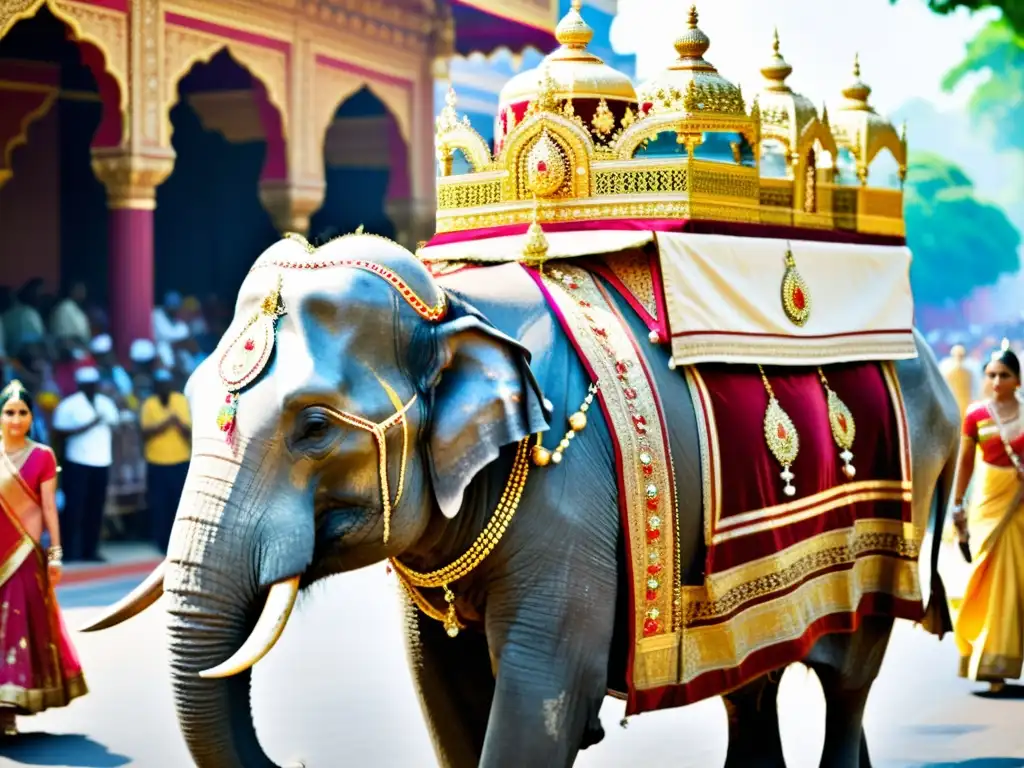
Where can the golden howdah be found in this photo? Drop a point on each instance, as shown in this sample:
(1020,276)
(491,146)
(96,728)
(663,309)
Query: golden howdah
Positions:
(576,142)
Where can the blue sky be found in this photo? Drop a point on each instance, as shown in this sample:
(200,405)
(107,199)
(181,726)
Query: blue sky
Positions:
(904,48)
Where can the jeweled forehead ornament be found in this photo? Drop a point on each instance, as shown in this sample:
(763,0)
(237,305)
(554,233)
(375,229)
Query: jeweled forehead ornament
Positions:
(247,355)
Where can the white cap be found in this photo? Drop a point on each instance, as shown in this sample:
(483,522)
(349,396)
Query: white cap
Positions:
(87,375)
(101,344)
(142,351)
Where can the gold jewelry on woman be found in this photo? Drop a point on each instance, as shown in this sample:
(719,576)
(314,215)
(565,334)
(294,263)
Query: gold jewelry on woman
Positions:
(484,544)
(844,429)
(55,556)
(781,436)
(577,423)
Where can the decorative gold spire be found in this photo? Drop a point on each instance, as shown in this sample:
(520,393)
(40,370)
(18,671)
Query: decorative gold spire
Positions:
(858,91)
(691,84)
(693,43)
(535,250)
(572,31)
(778,69)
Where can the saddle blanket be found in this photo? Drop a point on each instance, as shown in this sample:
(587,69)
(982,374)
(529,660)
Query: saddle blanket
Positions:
(780,570)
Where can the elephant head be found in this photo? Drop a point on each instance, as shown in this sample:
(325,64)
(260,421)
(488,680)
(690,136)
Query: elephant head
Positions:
(358,430)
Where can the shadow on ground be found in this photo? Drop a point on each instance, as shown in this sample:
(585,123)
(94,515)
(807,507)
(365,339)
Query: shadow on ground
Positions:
(979,762)
(1009,692)
(60,749)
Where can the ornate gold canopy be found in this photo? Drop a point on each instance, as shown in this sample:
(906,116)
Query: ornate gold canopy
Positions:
(576,144)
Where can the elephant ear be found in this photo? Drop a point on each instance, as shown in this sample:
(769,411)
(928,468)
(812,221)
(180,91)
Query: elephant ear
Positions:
(483,396)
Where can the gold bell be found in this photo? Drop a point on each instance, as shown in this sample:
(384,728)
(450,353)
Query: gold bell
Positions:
(541,456)
(578,421)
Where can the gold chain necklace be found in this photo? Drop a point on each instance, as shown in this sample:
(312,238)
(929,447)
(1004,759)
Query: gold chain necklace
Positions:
(481,548)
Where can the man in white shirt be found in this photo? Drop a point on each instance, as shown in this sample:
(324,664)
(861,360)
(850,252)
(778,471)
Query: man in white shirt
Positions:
(84,420)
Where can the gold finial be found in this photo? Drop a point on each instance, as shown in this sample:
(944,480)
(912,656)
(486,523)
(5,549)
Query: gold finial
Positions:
(857,91)
(778,69)
(449,117)
(546,90)
(693,43)
(535,250)
(572,31)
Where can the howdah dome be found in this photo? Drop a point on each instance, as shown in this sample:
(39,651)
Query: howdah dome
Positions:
(600,95)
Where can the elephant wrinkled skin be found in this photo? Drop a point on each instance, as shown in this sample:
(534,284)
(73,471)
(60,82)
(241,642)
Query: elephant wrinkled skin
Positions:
(299,497)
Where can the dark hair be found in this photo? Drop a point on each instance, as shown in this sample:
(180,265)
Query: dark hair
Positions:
(1007,357)
(15,391)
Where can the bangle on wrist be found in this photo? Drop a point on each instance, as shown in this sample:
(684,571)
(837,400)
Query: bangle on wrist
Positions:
(55,555)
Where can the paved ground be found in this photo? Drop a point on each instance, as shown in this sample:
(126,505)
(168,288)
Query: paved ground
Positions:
(336,691)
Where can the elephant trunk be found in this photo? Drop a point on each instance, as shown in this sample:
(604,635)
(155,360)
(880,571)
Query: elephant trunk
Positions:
(215,715)
(213,599)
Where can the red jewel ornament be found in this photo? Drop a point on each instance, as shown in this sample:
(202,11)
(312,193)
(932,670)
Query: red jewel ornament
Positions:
(654,570)
(653,535)
(621,368)
(640,423)
(630,393)
(650,627)
(842,423)
(799,300)
(781,432)
(652,594)
(652,504)
(648,470)
(250,345)
(542,167)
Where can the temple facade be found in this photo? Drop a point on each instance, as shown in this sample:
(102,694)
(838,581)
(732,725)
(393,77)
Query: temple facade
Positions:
(151,145)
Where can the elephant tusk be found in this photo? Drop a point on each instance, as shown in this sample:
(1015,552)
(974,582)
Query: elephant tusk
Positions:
(265,634)
(134,603)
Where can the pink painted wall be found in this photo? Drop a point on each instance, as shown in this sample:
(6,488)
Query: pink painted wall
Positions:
(30,208)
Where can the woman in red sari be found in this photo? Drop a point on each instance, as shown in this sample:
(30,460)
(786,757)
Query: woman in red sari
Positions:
(39,668)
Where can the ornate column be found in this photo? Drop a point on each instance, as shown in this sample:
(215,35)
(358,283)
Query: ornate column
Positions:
(131,181)
(290,204)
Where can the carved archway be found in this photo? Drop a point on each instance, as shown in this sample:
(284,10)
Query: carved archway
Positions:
(101,38)
(365,161)
(334,83)
(186,47)
(59,104)
(227,138)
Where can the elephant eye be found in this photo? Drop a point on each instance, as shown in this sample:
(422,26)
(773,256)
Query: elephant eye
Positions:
(311,427)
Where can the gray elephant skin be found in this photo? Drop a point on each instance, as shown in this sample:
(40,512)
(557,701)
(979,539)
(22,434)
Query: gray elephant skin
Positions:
(297,498)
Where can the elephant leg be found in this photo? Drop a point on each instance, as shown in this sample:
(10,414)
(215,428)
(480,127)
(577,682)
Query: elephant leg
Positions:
(847,665)
(752,711)
(455,684)
(552,643)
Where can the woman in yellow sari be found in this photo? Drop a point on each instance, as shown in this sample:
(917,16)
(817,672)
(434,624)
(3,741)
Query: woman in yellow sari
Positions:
(989,628)
(39,668)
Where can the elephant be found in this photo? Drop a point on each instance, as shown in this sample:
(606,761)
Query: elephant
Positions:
(362,373)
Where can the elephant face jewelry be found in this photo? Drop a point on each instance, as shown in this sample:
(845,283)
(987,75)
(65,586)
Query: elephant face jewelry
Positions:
(245,358)
(379,431)
(781,435)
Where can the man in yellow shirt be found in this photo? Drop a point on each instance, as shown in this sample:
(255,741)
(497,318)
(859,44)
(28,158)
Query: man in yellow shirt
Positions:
(167,439)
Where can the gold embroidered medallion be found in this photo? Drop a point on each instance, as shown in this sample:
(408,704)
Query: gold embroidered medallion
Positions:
(796,298)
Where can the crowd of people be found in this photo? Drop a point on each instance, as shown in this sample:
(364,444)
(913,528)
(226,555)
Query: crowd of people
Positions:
(119,427)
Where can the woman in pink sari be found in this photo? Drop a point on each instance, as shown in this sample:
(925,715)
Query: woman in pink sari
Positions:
(39,668)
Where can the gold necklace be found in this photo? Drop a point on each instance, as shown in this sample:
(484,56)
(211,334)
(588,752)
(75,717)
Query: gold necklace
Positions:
(481,548)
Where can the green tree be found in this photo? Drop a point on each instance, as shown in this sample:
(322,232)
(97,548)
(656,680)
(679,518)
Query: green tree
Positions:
(959,242)
(1013,10)
(998,102)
